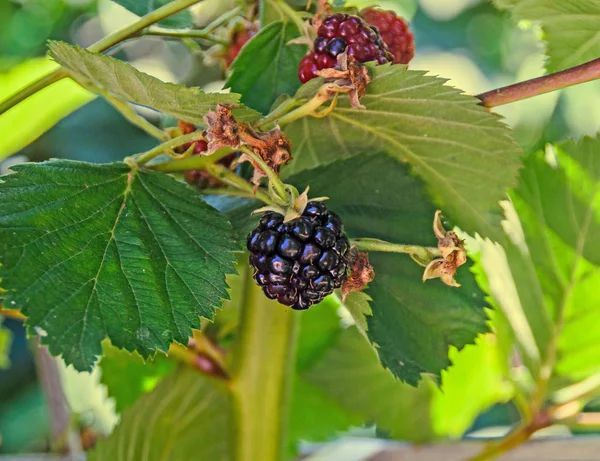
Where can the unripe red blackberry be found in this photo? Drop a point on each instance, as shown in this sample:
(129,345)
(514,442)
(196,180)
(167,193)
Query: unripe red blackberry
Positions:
(239,39)
(338,33)
(300,262)
(394,31)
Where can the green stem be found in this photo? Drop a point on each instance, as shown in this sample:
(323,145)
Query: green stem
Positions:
(134,118)
(107,42)
(519,436)
(369,244)
(194,162)
(166,146)
(230,178)
(204,33)
(31,89)
(274,180)
(236,193)
(279,111)
(309,107)
(292,14)
(263,361)
(184,33)
(153,17)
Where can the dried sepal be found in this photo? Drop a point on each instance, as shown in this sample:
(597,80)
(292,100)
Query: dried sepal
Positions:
(453,254)
(223,129)
(272,146)
(360,272)
(350,76)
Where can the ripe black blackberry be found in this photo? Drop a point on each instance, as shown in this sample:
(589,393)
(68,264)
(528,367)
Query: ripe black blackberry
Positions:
(339,33)
(302,261)
(394,31)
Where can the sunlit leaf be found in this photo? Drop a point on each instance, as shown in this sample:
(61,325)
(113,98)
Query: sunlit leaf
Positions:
(5,343)
(31,118)
(126,82)
(570,28)
(464,154)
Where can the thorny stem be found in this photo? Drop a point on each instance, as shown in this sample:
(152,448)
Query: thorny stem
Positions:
(274,180)
(422,254)
(167,146)
(540,85)
(107,42)
(134,118)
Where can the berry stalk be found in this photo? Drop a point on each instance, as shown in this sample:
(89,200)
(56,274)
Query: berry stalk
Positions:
(274,180)
(420,254)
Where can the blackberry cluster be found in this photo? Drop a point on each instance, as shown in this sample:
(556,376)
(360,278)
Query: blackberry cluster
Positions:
(394,32)
(300,262)
(339,33)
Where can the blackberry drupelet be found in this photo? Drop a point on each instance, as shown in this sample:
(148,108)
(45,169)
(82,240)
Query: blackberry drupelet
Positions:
(339,33)
(300,262)
(394,31)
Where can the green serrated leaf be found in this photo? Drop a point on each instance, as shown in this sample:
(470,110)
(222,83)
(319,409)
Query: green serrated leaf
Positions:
(187,417)
(126,82)
(267,66)
(358,304)
(351,375)
(31,118)
(127,376)
(5,343)
(570,28)
(413,323)
(558,203)
(95,251)
(545,278)
(143,7)
(465,155)
(475,381)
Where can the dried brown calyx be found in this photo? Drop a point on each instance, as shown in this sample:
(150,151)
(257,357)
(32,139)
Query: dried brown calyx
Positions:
(360,272)
(273,147)
(350,76)
(223,130)
(453,253)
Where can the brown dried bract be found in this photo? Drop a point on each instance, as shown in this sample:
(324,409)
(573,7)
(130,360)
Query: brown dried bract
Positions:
(360,272)
(223,129)
(186,127)
(272,146)
(323,10)
(350,76)
(453,255)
